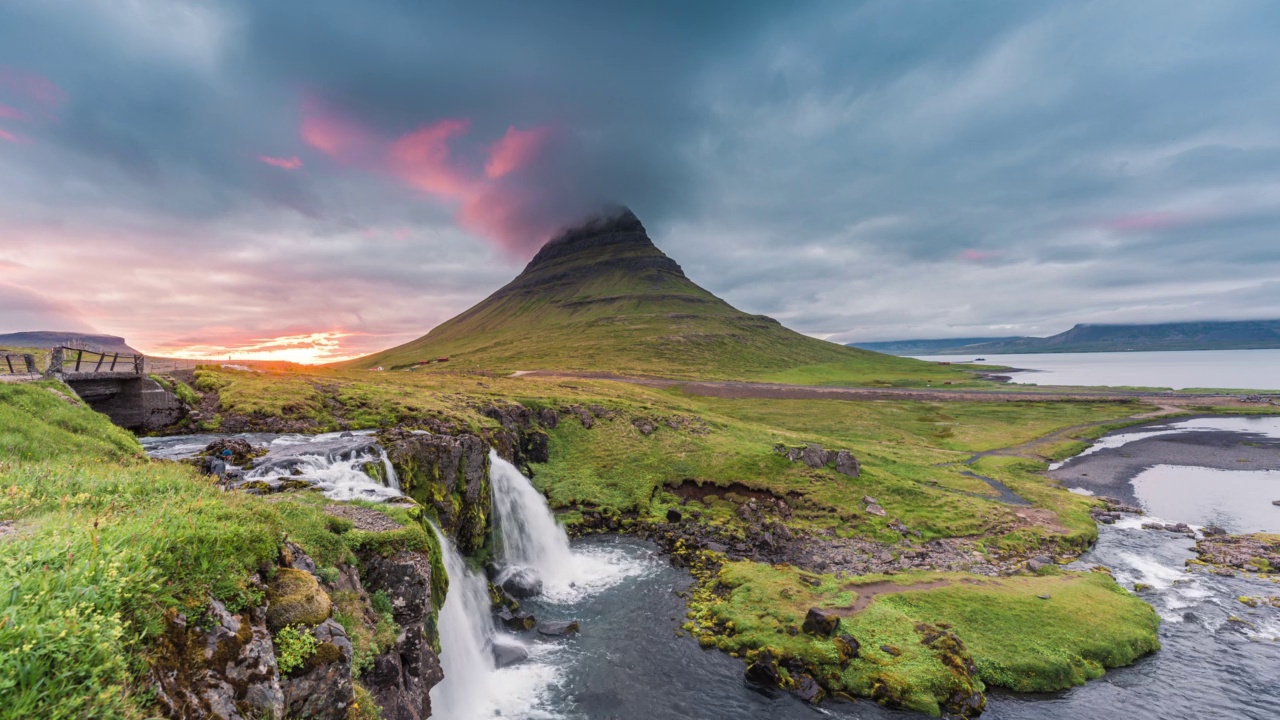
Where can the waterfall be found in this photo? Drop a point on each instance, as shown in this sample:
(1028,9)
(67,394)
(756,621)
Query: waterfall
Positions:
(532,540)
(474,687)
(392,480)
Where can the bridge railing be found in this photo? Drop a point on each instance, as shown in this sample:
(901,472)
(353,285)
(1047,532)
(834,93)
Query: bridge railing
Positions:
(17,364)
(65,360)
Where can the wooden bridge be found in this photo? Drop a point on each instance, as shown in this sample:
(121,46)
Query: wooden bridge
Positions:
(72,364)
(115,384)
(14,366)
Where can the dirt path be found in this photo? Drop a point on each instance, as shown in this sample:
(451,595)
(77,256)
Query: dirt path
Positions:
(869,592)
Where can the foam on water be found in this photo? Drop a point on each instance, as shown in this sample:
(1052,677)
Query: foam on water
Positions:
(474,688)
(532,541)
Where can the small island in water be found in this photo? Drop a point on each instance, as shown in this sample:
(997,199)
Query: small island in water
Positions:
(600,463)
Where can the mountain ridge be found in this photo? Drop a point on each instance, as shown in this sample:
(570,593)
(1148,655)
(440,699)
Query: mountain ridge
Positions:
(1104,337)
(45,339)
(602,296)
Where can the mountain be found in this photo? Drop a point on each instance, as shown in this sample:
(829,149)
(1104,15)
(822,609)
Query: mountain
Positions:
(603,297)
(927,347)
(1208,335)
(52,338)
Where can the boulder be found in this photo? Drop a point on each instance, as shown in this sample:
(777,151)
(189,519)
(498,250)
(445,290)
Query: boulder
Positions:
(808,689)
(241,451)
(815,456)
(517,620)
(821,623)
(558,628)
(294,597)
(227,670)
(764,671)
(322,687)
(847,464)
(848,647)
(522,583)
(876,510)
(505,654)
(1039,562)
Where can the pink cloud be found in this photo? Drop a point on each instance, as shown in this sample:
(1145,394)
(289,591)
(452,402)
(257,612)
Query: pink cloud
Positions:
(331,133)
(975,255)
(4,135)
(424,160)
(289,163)
(31,89)
(500,188)
(11,113)
(516,149)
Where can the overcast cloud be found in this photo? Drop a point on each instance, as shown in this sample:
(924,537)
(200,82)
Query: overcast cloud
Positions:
(210,175)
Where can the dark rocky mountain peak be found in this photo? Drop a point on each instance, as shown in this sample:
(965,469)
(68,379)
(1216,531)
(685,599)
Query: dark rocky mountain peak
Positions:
(606,244)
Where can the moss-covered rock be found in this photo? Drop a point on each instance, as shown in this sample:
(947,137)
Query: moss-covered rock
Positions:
(295,598)
(450,475)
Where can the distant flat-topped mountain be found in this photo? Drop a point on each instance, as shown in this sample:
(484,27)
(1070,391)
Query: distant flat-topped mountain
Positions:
(53,338)
(1212,335)
(601,296)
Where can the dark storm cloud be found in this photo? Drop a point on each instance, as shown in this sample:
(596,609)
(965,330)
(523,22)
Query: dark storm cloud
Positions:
(860,170)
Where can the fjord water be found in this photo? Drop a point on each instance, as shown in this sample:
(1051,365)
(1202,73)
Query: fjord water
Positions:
(1227,369)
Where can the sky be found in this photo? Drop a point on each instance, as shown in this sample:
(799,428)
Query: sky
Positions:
(314,181)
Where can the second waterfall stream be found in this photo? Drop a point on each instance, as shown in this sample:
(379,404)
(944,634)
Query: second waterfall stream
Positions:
(529,540)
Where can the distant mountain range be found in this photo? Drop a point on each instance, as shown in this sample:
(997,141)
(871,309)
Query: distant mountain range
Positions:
(53,338)
(1213,335)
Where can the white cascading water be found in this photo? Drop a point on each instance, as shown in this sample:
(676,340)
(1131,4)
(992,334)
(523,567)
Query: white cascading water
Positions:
(474,688)
(392,479)
(532,541)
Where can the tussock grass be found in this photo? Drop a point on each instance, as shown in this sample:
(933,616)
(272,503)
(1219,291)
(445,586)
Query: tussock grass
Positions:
(103,541)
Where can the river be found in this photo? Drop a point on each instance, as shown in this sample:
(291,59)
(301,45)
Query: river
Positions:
(1221,369)
(1221,659)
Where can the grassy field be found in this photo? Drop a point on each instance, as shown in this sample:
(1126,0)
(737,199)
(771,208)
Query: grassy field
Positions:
(97,542)
(1030,633)
(97,533)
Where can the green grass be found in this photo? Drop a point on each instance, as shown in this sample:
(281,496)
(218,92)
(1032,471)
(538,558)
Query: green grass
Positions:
(104,541)
(1016,639)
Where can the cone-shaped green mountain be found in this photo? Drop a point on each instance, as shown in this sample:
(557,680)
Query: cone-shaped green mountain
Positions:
(602,297)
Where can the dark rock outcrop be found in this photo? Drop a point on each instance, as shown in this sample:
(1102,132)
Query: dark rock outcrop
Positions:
(450,474)
(322,688)
(816,456)
(227,671)
(401,679)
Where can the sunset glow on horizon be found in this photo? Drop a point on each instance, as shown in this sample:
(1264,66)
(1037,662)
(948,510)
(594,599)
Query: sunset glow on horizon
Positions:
(315,348)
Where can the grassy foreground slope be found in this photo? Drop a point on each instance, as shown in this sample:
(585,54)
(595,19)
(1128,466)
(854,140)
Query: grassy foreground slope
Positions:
(97,542)
(602,297)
